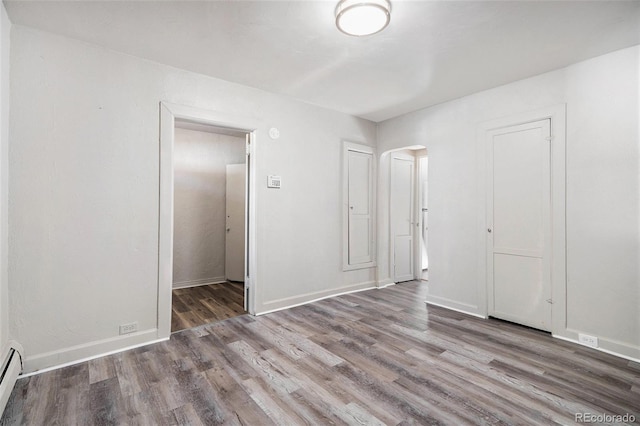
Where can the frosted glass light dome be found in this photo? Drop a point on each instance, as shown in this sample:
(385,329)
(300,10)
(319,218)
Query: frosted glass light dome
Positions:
(362,17)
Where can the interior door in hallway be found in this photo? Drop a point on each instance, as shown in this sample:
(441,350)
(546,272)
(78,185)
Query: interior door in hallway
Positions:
(402,216)
(519,229)
(360,214)
(235,223)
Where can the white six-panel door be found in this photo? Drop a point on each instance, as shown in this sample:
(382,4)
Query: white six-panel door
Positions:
(519,228)
(235,236)
(402,216)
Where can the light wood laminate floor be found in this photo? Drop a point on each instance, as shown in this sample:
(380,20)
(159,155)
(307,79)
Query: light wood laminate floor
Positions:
(368,358)
(194,306)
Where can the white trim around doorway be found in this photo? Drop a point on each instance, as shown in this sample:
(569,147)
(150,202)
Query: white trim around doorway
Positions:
(557,115)
(168,114)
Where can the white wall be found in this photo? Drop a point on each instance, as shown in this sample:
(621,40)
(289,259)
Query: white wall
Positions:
(83,202)
(603,193)
(5,27)
(200,176)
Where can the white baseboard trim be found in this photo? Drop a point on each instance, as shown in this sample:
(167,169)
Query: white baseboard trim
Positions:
(69,356)
(385,283)
(200,282)
(291,302)
(610,347)
(454,306)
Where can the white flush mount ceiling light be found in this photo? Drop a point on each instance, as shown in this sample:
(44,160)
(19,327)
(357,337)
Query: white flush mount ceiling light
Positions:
(362,17)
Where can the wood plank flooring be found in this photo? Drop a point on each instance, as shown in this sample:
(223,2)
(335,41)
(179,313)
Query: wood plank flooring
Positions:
(194,306)
(369,358)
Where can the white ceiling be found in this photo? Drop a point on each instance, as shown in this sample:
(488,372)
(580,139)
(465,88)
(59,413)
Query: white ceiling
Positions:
(432,51)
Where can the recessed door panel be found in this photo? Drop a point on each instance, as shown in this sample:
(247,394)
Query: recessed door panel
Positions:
(519,293)
(519,196)
(403,259)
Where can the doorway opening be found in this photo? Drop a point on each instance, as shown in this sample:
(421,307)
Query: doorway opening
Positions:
(207,189)
(209,193)
(402,188)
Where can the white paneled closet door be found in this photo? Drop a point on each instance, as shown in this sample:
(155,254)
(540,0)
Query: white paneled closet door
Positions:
(519,229)
(360,196)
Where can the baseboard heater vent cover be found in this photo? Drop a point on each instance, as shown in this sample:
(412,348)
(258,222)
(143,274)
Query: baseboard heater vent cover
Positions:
(11,367)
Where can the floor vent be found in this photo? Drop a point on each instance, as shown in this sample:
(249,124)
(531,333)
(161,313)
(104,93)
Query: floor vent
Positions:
(11,367)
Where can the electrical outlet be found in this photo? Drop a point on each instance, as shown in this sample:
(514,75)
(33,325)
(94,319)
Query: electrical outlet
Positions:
(585,339)
(128,328)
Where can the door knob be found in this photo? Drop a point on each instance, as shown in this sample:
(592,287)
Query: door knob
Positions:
(489,230)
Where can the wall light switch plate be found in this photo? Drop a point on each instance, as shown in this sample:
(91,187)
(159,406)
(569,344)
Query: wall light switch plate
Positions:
(274,181)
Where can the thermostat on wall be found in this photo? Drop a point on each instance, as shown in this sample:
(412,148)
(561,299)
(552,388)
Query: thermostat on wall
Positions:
(273,181)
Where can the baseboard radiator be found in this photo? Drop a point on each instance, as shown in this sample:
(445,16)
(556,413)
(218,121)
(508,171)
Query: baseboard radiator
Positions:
(11,368)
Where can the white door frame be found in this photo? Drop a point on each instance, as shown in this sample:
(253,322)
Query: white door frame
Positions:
(168,114)
(347,148)
(557,115)
(385,244)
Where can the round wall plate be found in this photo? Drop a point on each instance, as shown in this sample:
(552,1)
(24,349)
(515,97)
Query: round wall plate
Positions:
(274,133)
